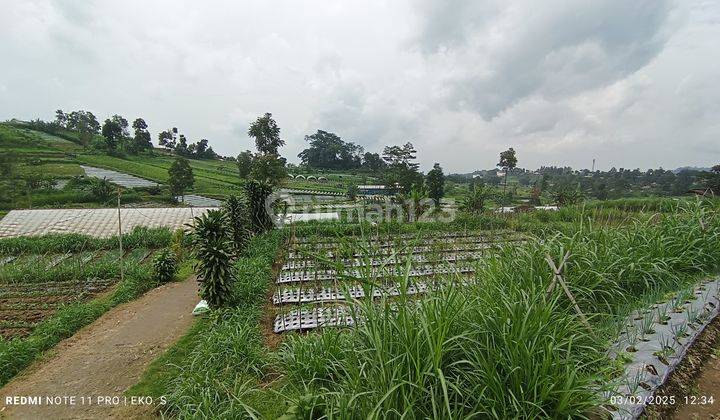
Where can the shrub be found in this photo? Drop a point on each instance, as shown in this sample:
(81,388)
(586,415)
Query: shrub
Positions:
(164,266)
(213,249)
(257,194)
(238,222)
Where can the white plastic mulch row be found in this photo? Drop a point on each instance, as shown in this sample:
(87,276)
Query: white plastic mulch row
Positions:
(199,201)
(656,341)
(333,294)
(99,223)
(305,319)
(130,181)
(119,178)
(293,256)
(330,275)
(300,265)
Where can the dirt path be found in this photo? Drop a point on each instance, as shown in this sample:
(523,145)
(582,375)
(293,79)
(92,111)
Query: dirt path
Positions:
(105,358)
(708,385)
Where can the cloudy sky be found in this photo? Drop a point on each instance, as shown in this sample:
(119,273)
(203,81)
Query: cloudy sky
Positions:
(630,83)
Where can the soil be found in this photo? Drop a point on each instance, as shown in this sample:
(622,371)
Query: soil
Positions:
(697,375)
(105,358)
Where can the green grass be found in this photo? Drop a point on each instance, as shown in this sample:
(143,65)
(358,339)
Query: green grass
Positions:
(498,348)
(209,177)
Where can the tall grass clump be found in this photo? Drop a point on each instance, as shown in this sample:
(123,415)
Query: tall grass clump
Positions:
(500,347)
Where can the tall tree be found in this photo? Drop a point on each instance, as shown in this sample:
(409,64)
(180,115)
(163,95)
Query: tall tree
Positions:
(168,138)
(181,148)
(181,177)
(435,182)
(122,123)
(112,132)
(61,118)
(373,162)
(268,169)
(508,161)
(244,162)
(402,170)
(329,151)
(141,139)
(266,133)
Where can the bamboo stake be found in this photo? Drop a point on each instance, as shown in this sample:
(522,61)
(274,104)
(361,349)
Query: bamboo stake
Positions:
(557,278)
(122,254)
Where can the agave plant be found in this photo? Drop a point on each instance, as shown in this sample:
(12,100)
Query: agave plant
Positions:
(213,249)
(164,266)
(238,222)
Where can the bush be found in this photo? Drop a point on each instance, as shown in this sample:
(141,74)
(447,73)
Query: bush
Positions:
(213,249)
(164,266)
(238,222)
(257,194)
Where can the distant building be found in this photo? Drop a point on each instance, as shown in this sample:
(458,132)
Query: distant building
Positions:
(373,190)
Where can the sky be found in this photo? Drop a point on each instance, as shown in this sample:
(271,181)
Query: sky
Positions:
(633,84)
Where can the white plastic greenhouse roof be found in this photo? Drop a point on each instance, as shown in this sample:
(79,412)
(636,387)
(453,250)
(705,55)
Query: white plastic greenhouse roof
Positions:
(99,223)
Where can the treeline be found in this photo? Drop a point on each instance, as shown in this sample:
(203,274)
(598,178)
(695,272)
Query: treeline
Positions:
(114,135)
(611,184)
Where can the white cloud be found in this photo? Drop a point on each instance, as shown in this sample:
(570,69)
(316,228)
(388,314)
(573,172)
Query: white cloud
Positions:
(633,84)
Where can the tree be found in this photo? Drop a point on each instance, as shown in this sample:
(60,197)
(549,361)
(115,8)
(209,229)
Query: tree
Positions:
(212,248)
(61,118)
(202,150)
(181,148)
(244,162)
(711,180)
(402,170)
(329,151)
(122,123)
(168,138)
(84,123)
(181,177)
(141,139)
(266,134)
(268,169)
(435,182)
(112,132)
(508,161)
(257,194)
(373,162)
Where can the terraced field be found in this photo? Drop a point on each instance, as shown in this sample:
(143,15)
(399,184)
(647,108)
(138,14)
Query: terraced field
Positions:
(33,287)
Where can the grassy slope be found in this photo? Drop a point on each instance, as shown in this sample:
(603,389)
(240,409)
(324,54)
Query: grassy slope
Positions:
(48,155)
(41,153)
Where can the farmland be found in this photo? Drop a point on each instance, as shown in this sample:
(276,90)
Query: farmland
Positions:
(411,318)
(53,285)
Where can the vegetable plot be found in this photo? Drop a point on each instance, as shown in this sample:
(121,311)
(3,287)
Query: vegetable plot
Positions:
(321,276)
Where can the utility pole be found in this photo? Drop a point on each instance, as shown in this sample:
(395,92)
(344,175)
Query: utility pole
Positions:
(593,168)
(122,254)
